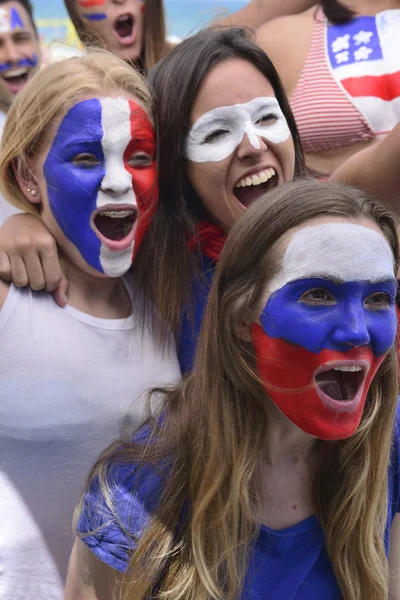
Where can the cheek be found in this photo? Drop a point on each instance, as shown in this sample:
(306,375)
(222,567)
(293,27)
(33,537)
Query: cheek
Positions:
(208,179)
(286,156)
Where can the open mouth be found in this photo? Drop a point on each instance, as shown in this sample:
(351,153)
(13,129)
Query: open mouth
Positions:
(15,79)
(248,189)
(125,28)
(116,227)
(340,386)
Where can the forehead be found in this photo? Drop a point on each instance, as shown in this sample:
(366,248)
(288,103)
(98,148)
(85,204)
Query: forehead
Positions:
(341,250)
(110,120)
(233,81)
(14,17)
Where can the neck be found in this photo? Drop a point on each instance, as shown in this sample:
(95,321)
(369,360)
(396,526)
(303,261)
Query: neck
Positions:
(102,297)
(286,441)
(369,7)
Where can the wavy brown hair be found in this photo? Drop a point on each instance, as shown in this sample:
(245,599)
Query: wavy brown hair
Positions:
(176,82)
(154,44)
(212,431)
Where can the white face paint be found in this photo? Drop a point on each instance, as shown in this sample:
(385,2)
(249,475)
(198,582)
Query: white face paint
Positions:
(336,250)
(216,134)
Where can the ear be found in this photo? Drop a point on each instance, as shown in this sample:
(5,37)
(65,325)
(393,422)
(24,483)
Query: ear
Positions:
(244,332)
(26,180)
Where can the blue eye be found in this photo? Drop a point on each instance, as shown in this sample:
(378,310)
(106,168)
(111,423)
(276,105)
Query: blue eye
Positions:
(317,297)
(379,301)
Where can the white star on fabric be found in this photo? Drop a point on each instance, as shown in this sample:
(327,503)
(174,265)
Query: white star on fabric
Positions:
(341,43)
(342,57)
(363,37)
(362,53)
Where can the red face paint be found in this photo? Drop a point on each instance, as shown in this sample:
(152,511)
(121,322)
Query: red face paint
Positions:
(288,375)
(90,3)
(144,179)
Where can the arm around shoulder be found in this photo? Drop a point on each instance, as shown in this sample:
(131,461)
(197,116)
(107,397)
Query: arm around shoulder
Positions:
(4,289)
(89,578)
(258,12)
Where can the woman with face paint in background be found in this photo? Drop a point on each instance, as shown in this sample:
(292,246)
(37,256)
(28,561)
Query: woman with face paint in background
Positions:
(339,63)
(273,472)
(78,150)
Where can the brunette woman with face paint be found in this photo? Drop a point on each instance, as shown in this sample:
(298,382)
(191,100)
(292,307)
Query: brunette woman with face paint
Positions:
(339,63)
(78,150)
(273,470)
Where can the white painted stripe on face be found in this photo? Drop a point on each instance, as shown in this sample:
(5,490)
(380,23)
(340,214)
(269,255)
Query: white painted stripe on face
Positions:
(339,250)
(116,264)
(116,123)
(233,123)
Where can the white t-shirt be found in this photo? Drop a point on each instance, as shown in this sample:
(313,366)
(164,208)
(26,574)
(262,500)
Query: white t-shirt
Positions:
(68,383)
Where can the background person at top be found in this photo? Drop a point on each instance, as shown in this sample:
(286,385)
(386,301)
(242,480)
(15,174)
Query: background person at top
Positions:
(19,44)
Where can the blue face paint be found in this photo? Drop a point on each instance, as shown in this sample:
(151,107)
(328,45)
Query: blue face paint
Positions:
(16,19)
(95,17)
(24,62)
(72,189)
(349,320)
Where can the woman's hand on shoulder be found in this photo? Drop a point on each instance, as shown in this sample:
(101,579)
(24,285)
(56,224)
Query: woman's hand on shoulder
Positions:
(28,256)
(89,578)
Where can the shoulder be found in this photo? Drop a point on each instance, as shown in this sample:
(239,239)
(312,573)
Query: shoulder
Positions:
(117,509)
(288,58)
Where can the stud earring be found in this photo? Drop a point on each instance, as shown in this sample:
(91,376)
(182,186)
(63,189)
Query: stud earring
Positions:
(28,190)
(34,192)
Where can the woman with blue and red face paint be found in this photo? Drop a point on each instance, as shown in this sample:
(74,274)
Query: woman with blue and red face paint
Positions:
(78,150)
(273,470)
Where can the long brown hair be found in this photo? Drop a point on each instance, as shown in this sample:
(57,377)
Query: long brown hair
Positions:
(155,45)
(336,12)
(176,81)
(212,430)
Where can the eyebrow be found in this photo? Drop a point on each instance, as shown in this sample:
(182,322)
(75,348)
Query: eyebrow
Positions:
(338,281)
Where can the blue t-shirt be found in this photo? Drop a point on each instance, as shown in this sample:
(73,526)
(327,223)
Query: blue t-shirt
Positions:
(291,563)
(192,320)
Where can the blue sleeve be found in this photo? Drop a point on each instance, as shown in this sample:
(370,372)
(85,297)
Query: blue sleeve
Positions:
(192,320)
(394,470)
(112,532)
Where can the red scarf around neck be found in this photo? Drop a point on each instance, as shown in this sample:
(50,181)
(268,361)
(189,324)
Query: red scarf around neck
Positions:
(211,239)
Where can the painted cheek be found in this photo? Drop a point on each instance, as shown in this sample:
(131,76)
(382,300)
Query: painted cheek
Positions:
(144,179)
(287,374)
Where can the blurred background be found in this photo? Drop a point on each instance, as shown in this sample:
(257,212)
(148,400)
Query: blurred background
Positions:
(183,17)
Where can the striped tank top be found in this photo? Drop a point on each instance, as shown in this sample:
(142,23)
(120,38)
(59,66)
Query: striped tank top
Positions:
(325,115)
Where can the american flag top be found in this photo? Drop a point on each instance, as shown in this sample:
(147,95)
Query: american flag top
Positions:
(364,56)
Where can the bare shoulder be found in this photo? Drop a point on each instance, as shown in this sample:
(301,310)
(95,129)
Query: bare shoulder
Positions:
(4,289)
(286,41)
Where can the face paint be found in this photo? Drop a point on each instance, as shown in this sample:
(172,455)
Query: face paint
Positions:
(24,62)
(327,326)
(101,180)
(90,4)
(10,22)
(216,134)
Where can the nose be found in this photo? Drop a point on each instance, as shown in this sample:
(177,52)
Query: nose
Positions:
(118,2)
(253,148)
(117,181)
(11,53)
(352,330)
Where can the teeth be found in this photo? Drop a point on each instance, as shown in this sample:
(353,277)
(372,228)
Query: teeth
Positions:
(352,369)
(123,19)
(118,214)
(15,73)
(261,177)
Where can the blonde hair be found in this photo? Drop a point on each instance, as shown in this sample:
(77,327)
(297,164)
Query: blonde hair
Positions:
(213,428)
(48,97)
(155,45)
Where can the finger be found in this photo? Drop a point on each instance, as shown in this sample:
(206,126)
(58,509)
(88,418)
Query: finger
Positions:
(5,266)
(53,274)
(19,275)
(34,270)
(60,294)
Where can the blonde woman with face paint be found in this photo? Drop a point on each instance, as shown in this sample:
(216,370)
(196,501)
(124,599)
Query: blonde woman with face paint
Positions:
(273,470)
(78,151)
